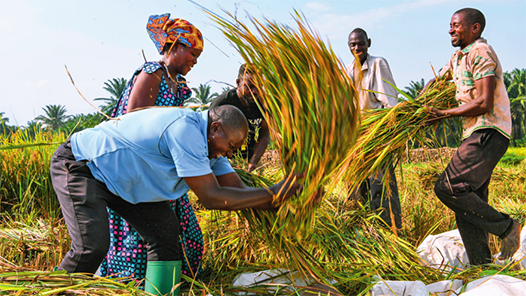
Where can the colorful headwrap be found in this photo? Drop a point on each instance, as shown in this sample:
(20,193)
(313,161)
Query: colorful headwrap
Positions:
(164,30)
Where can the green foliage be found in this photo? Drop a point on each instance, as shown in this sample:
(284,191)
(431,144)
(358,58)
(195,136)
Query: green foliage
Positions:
(82,121)
(225,89)
(115,87)
(202,96)
(54,118)
(4,127)
(26,190)
(515,82)
(518,117)
(3,119)
(512,159)
(415,88)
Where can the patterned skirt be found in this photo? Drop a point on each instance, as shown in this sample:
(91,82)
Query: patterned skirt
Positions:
(127,255)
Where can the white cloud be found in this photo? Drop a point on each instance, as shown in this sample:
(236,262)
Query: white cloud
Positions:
(316,6)
(337,26)
(42,82)
(39,83)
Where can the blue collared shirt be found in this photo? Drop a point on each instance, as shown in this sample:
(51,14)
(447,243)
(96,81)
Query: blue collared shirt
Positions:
(144,156)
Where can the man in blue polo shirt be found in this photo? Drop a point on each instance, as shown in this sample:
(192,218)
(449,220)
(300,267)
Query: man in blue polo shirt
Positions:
(136,164)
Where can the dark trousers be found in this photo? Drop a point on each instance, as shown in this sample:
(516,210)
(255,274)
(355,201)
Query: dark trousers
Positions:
(463,187)
(83,201)
(374,192)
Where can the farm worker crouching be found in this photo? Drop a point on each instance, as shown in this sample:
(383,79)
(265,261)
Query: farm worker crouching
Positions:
(158,83)
(134,166)
(243,97)
(485,110)
(371,79)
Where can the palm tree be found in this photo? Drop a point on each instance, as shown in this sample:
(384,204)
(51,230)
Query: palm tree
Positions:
(115,87)
(518,117)
(202,95)
(32,127)
(516,86)
(414,88)
(516,83)
(226,88)
(3,119)
(55,116)
(3,123)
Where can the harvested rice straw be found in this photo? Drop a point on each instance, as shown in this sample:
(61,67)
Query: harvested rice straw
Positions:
(28,282)
(384,133)
(308,102)
(344,246)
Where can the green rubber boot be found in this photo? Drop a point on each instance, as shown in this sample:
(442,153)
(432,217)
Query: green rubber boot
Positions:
(162,276)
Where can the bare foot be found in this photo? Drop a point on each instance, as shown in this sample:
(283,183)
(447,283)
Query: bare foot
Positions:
(510,244)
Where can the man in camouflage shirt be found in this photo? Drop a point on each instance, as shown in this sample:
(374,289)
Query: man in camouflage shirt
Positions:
(485,110)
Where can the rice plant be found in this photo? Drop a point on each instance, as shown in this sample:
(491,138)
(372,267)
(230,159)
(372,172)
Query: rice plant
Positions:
(26,187)
(386,133)
(309,104)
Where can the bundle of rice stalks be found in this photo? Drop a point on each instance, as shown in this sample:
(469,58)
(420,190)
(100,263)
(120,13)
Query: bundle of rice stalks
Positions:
(428,174)
(39,245)
(354,250)
(308,102)
(26,282)
(384,133)
(344,249)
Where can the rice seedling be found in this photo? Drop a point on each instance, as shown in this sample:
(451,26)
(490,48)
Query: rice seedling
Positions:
(309,104)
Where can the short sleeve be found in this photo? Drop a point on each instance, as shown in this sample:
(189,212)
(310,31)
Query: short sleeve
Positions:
(151,67)
(187,147)
(222,167)
(482,61)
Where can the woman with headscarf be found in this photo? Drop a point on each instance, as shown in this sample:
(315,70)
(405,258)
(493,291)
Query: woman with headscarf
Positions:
(158,84)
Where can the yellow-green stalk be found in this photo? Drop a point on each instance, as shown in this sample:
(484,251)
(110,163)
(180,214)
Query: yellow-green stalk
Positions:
(309,104)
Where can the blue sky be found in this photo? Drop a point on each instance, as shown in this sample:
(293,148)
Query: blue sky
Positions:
(103,39)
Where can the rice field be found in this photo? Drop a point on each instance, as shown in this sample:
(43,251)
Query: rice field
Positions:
(337,246)
(346,242)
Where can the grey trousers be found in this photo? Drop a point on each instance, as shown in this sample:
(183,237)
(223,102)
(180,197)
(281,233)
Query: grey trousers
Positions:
(463,187)
(373,191)
(83,201)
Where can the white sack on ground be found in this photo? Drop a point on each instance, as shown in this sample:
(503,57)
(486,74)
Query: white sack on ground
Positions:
(498,285)
(444,251)
(416,288)
(395,288)
(444,288)
(272,276)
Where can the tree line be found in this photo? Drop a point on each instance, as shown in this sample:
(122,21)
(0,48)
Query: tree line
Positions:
(55,117)
(448,133)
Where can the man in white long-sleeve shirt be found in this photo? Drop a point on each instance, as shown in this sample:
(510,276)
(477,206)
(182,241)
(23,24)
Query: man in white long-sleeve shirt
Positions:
(375,93)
